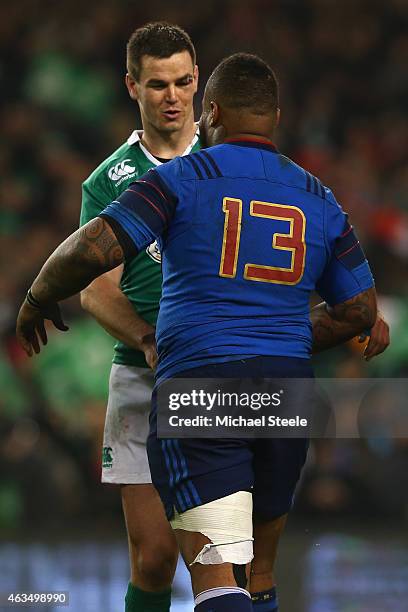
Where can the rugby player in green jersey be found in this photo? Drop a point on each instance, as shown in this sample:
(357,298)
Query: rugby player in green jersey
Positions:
(162,77)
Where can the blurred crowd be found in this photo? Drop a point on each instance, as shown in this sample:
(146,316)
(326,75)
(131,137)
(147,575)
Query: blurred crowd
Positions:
(342,70)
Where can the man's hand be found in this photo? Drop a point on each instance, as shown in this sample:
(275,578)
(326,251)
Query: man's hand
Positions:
(84,255)
(150,350)
(30,325)
(379,338)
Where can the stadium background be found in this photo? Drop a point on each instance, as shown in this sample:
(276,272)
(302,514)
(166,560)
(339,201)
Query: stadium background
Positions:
(342,68)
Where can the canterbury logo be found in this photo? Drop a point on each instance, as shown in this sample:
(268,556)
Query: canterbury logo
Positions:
(121,170)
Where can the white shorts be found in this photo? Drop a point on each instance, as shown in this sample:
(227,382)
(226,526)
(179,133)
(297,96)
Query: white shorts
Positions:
(124,457)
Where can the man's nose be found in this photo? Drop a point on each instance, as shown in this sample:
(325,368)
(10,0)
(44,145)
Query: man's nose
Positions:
(171,93)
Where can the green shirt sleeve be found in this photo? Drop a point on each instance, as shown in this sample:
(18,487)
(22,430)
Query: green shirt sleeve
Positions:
(96,195)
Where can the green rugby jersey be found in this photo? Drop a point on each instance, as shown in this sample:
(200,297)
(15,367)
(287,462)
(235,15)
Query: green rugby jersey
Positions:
(141,280)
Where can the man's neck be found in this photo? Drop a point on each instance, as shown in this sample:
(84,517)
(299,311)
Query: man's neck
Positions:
(167,146)
(248,125)
(265,135)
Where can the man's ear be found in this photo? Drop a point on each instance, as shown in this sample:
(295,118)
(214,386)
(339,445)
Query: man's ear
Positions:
(195,76)
(214,114)
(277,117)
(131,85)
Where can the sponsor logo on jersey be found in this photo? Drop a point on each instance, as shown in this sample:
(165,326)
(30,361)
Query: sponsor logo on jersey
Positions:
(153,252)
(121,171)
(107,459)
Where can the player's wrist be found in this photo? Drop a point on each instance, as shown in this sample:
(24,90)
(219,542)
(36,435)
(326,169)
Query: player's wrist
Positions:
(32,300)
(148,340)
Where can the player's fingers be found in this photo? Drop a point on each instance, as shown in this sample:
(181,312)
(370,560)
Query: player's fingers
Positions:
(59,323)
(57,319)
(385,335)
(24,342)
(377,345)
(371,346)
(383,342)
(34,342)
(42,332)
(152,359)
(369,354)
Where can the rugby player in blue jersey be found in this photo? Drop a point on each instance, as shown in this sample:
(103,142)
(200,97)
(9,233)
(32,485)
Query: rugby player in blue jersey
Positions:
(246,235)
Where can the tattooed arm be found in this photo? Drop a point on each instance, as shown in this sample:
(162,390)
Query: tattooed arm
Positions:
(337,324)
(89,252)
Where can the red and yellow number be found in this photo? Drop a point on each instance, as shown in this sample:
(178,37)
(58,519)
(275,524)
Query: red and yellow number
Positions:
(293,242)
(232,235)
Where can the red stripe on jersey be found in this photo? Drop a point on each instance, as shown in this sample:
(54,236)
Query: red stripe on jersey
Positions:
(347,232)
(150,202)
(155,187)
(348,250)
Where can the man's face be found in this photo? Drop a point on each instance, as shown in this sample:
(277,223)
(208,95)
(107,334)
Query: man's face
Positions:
(165,91)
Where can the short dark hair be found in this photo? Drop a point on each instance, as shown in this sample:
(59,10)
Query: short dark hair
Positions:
(158,39)
(244,80)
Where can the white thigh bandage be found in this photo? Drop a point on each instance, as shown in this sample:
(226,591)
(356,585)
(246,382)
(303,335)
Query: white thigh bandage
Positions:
(227,522)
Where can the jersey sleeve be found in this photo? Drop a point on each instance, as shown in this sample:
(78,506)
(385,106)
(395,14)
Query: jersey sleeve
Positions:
(347,272)
(95,197)
(142,213)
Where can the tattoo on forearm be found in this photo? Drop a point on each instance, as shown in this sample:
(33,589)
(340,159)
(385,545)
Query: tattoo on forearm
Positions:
(100,245)
(323,332)
(89,252)
(333,326)
(357,310)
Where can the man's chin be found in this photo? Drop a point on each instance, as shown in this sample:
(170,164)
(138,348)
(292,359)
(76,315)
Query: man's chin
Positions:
(171,126)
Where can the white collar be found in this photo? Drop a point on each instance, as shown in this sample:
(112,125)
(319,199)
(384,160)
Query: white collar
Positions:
(136,135)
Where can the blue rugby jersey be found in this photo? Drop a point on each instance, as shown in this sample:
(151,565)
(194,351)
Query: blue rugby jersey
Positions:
(246,235)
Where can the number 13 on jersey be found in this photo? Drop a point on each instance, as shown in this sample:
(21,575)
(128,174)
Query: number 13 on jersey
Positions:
(293,242)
